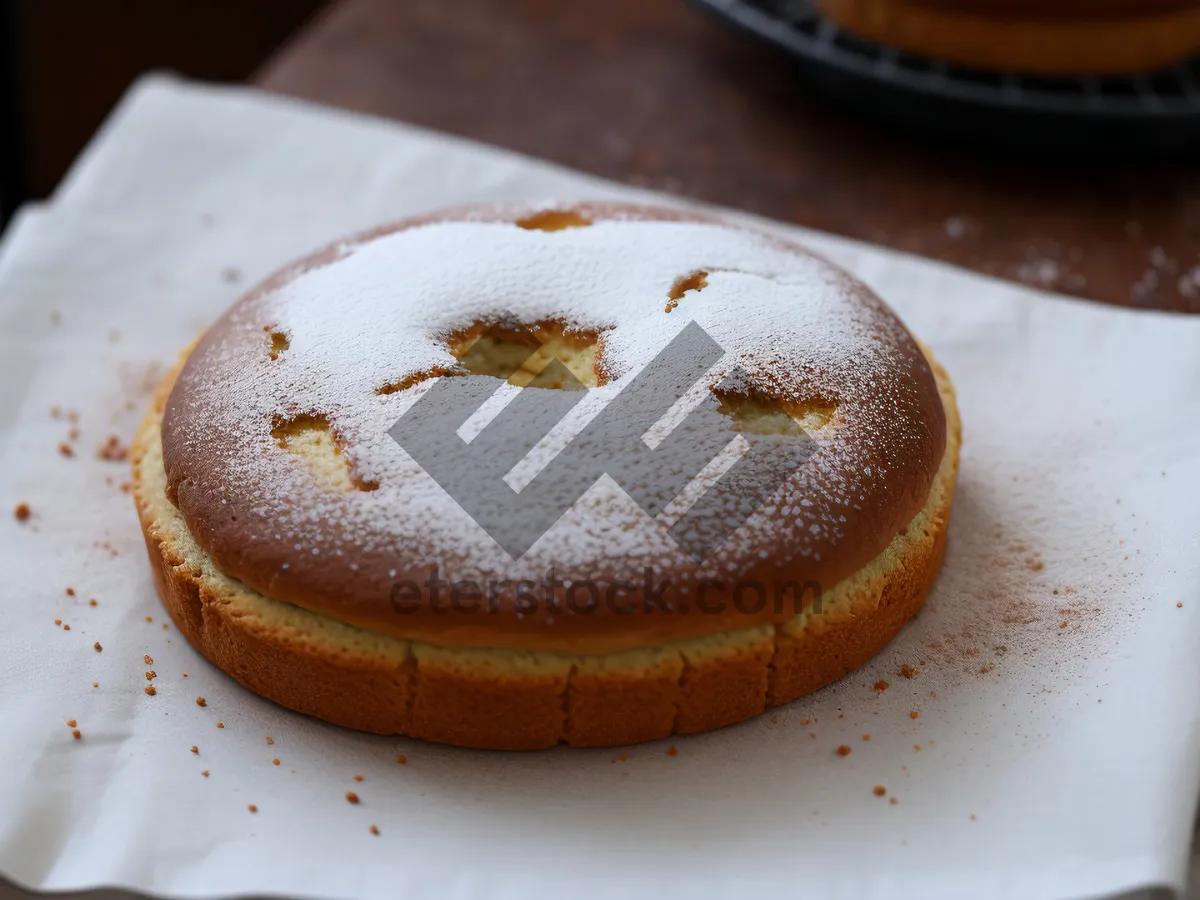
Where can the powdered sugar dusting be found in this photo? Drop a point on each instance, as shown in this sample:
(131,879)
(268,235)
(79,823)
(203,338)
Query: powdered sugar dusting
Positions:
(380,311)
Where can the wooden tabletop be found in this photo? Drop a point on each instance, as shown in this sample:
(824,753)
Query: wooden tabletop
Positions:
(654,93)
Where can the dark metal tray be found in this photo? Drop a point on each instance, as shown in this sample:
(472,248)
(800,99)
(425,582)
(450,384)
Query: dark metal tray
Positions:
(1157,113)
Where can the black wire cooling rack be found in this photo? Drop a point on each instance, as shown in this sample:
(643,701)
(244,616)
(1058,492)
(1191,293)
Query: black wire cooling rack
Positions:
(1158,112)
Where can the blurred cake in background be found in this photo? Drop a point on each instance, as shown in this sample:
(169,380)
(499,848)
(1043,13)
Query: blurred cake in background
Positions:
(1044,37)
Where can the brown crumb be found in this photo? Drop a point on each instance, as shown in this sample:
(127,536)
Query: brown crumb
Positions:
(97,646)
(622,756)
(879,790)
(805,721)
(972,817)
(351,797)
(58,622)
(76,734)
(881,685)
(200,701)
(71,723)
(774,719)
(149,689)
(933,693)
(22,512)
(893,801)
(165,626)
(866,737)
(913,714)
(252,808)
(195,749)
(72,416)
(374,830)
(204,772)
(841,715)
(151,675)
(148,660)
(70,592)
(1179,605)
(149,618)
(93,602)
(358,778)
(112,450)
(185,674)
(95,684)
(65,449)
(73,434)
(270,740)
(813,735)
(843,750)
(907,671)
(126,487)
(275,762)
(66,628)
(917,747)
(672,751)
(220,724)
(402,759)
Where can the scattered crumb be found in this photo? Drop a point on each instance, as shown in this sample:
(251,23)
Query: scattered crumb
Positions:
(774,719)
(374,830)
(204,772)
(66,627)
(358,778)
(913,714)
(149,689)
(195,749)
(148,660)
(972,817)
(97,646)
(151,675)
(93,602)
(843,750)
(917,747)
(149,618)
(73,434)
(866,737)
(220,724)
(402,760)
(270,740)
(58,622)
(72,416)
(75,734)
(275,762)
(881,685)
(672,751)
(55,317)
(813,735)
(22,512)
(70,592)
(841,715)
(165,627)
(252,808)
(907,671)
(112,450)
(351,797)
(805,721)
(185,674)
(1179,605)
(200,701)
(934,693)
(65,449)
(893,801)
(879,790)
(71,723)
(95,684)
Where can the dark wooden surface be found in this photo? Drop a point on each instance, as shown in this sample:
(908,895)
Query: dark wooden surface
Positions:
(653,93)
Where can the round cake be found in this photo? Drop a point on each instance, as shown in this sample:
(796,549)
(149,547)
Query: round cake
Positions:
(1038,37)
(512,477)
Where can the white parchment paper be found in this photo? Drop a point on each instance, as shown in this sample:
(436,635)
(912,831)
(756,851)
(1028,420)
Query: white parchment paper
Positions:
(1038,732)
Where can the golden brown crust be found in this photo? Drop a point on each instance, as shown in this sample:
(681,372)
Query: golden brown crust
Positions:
(504,699)
(1118,38)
